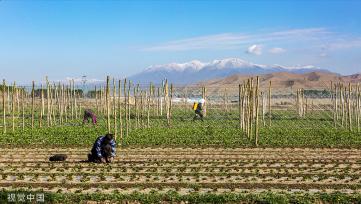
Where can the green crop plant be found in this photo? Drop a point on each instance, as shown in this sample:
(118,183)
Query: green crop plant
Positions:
(314,131)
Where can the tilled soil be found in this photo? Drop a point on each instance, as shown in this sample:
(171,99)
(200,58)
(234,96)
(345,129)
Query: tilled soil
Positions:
(185,170)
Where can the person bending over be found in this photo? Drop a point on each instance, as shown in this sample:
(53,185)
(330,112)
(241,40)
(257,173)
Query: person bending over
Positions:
(89,114)
(103,150)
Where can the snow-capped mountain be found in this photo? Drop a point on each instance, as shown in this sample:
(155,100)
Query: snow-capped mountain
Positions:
(194,71)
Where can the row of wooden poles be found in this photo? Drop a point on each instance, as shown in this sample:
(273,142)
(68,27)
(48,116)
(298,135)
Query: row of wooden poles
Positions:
(346,100)
(60,103)
(252,102)
(144,102)
(155,101)
(129,106)
(301,103)
(61,100)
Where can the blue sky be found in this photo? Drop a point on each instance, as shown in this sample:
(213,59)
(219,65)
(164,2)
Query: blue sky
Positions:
(120,38)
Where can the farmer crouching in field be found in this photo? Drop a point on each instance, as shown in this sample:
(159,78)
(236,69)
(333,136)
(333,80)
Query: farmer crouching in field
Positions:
(103,149)
(89,114)
(198,108)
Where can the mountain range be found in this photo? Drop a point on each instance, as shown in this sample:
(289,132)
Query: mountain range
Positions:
(310,80)
(196,71)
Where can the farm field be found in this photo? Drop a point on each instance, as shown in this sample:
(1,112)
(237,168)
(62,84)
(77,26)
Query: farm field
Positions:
(254,147)
(184,102)
(221,174)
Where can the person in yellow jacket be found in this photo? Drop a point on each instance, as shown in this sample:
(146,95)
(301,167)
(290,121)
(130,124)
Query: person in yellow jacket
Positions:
(198,109)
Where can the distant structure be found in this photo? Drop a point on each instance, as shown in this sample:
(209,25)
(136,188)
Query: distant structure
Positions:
(84,80)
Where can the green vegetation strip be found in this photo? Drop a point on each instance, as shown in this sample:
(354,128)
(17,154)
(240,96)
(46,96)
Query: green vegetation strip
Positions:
(287,131)
(174,197)
(161,185)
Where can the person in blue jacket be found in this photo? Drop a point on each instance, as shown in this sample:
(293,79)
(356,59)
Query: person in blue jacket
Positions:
(103,150)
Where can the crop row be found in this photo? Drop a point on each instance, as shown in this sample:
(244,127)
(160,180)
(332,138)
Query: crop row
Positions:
(181,177)
(161,185)
(193,157)
(182,170)
(275,152)
(199,167)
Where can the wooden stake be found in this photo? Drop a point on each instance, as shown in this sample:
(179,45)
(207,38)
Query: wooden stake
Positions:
(120,112)
(58,100)
(42,105)
(32,105)
(243,106)
(257,111)
(349,101)
(161,99)
(239,105)
(108,104)
(204,96)
(128,103)
(62,104)
(13,107)
(96,100)
(141,111)
(166,101)
(185,100)
(125,106)
(158,102)
(225,101)
(115,110)
(150,103)
(75,101)
(52,109)
(4,106)
(101,101)
(249,109)
(342,101)
(334,98)
(8,100)
(336,101)
(148,110)
(48,102)
(66,102)
(358,107)
(23,108)
(135,93)
(252,108)
(71,98)
(269,104)
(170,105)
(18,100)
(263,109)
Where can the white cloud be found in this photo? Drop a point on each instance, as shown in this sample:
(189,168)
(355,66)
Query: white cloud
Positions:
(323,54)
(277,50)
(301,32)
(255,49)
(236,40)
(220,41)
(344,43)
(340,43)
(292,37)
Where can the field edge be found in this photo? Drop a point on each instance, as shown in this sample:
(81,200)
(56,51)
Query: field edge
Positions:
(174,197)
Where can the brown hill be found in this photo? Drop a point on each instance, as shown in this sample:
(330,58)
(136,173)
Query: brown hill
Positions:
(281,80)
